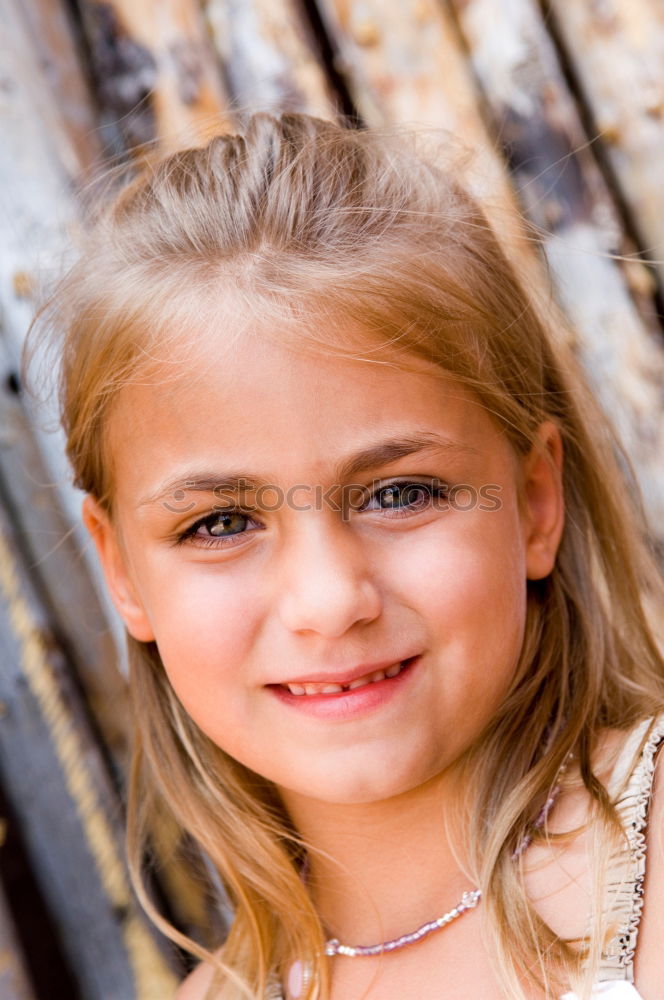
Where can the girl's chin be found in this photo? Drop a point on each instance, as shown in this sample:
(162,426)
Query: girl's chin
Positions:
(359,783)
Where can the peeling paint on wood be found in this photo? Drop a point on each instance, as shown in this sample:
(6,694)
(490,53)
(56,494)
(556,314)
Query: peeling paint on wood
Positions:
(156,71)
(536,121)
(403,64)
(126,74)
(58,99)
(50,27)
(269,56)
(57,565)
(416,74)
(38,221)
(616,49)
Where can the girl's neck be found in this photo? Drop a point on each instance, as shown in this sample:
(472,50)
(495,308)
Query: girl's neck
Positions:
(380,869)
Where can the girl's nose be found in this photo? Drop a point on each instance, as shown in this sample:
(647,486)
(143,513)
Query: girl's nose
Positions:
(327,586)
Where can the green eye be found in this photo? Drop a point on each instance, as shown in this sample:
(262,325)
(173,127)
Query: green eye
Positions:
(223,526)
(226,524)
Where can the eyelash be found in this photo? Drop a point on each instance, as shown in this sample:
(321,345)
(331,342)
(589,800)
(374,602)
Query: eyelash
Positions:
(435,491)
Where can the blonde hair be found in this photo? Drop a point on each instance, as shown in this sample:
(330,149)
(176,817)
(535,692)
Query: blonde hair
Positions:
(318,227)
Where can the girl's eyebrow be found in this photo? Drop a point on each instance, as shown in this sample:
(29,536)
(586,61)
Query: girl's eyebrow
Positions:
(372,457)
(385,452)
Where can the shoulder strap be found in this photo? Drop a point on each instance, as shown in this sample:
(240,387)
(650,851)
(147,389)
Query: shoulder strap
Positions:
(630,789)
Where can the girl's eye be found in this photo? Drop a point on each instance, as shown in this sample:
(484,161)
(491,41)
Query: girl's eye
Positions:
(406,497)
(222,527)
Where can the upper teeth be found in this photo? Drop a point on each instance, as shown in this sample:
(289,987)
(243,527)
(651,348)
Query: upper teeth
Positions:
(377,675)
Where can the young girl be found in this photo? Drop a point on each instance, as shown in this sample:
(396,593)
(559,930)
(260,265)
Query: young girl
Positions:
(383,583)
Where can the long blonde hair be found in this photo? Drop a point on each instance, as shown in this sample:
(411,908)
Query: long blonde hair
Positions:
(321,228)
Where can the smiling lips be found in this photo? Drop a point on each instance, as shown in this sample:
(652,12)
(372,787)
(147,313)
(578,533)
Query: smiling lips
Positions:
(302,688)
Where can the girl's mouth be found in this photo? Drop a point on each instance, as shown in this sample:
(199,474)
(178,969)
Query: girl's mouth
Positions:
(310,688)
(355,698)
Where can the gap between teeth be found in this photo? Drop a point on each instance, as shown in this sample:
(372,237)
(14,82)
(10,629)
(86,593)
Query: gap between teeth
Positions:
(378,675)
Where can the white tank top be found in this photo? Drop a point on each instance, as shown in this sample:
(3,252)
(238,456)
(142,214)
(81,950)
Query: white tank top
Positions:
(610,991)
(630,788)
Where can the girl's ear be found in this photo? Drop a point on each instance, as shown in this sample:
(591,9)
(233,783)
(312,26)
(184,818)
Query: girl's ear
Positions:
(543,500)
(118,579)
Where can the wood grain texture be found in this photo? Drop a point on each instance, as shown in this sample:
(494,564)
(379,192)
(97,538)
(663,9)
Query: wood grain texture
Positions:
(38,47)
(616,48)
(52,552)
(156,72)
(269,56)
(53,37)
(40,171)
(67,807)
(562,190)
(404,65)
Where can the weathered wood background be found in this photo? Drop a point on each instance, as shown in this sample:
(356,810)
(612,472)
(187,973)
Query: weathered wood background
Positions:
(563,102)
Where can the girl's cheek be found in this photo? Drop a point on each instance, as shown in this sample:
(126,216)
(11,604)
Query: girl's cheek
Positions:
(206,620)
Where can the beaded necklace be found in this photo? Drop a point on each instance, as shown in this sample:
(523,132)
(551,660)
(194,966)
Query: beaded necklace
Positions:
(299,974)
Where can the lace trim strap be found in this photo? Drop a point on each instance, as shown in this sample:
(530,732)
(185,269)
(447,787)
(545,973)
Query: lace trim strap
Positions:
(631,789)
(274,991)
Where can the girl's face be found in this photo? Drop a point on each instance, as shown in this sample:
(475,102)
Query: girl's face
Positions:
(331,556)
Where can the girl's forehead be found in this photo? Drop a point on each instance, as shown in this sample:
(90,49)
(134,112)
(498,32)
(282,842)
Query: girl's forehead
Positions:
(231,381)
(263,408)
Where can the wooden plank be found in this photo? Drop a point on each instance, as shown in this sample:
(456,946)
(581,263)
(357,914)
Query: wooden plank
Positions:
(40,172)
(39,67)
(269,57)
(40,169)
(616,49)
(563,192)
(66,805)
(156,71)
(55,566)
(14,980)
(403,65)
(49,26)
(54,560)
